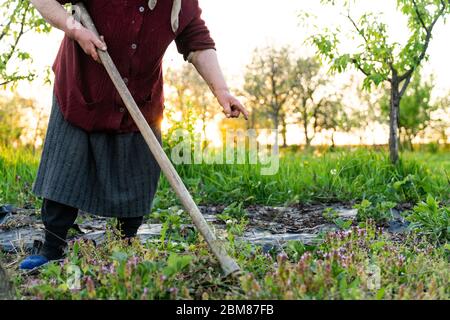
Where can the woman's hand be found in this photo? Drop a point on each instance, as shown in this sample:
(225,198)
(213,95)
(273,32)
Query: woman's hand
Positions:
(232,107)
(54,13)
(206,63)
(89,42)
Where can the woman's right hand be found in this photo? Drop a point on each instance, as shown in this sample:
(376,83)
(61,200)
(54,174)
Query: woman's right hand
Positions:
(89,42)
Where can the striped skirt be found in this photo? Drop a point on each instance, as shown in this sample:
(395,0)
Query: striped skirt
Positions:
(110,175)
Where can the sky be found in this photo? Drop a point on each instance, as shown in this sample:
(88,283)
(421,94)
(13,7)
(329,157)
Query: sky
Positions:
(240,26)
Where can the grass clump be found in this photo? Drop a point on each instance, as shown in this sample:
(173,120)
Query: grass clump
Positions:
(431,219)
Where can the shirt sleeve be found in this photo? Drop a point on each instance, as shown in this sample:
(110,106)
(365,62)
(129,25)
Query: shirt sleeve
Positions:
(195,36)
(63,2)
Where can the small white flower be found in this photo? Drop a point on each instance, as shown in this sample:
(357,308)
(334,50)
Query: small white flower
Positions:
(333,172)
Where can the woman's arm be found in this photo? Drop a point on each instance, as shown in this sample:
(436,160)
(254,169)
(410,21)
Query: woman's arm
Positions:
(54,13)
(207,65)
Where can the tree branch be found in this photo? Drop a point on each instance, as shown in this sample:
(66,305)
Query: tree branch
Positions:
(358,65)
(361,33)
(405,85)
(19,35)
(408,74)
(6,27)
(419,16)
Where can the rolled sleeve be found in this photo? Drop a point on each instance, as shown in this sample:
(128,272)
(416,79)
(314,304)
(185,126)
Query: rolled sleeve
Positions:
(195,36)
(66,1)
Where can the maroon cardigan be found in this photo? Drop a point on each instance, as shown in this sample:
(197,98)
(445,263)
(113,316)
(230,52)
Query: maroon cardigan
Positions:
(137,39)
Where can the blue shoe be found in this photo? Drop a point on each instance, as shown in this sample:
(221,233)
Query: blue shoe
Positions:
(33,262)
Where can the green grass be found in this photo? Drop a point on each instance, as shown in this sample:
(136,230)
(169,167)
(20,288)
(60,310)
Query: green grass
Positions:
(180,266)
(303,177)
(17,171)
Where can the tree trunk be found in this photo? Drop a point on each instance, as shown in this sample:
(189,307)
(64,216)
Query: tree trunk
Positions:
(275,125)
(333,144)
(305,131)
(284,132)
(410,141)
(393,120)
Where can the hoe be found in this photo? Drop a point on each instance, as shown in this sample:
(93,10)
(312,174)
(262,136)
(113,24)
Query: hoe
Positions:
(228,265)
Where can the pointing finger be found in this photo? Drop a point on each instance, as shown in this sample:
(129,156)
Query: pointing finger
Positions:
(227,110)
(242,109)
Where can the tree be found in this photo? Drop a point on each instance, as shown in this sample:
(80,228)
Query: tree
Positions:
(268,85)
(381,61)
(11,111)
(416,110)
(192,94)
(332,115)
(306,82)
(363,106)
(18,17)
(441,122)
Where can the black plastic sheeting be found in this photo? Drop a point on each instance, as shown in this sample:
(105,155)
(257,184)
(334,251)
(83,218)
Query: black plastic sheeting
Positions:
(269,227)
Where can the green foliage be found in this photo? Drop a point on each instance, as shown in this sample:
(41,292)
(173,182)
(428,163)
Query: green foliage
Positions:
(360,263)
(19,17)
(296,249)
(176,264)
(376,56)
(331,215)
(354,264)
(380,213)
(175,230)
(336,269)
(235,211)
(18,169)
(430,219)
(14,129)
(379,59)
(342,175)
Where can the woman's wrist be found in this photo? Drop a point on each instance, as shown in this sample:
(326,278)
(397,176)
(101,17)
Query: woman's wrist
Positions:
(73,28)
(221,92)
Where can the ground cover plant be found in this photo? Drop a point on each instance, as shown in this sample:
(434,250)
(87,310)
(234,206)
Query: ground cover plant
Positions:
(359,260)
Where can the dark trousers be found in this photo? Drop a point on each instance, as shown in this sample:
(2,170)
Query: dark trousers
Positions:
(59,218)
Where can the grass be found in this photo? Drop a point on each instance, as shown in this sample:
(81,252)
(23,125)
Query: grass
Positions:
(303,177)
(359,262)
(17,170)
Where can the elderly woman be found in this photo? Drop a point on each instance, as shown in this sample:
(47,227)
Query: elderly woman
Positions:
(94,158)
